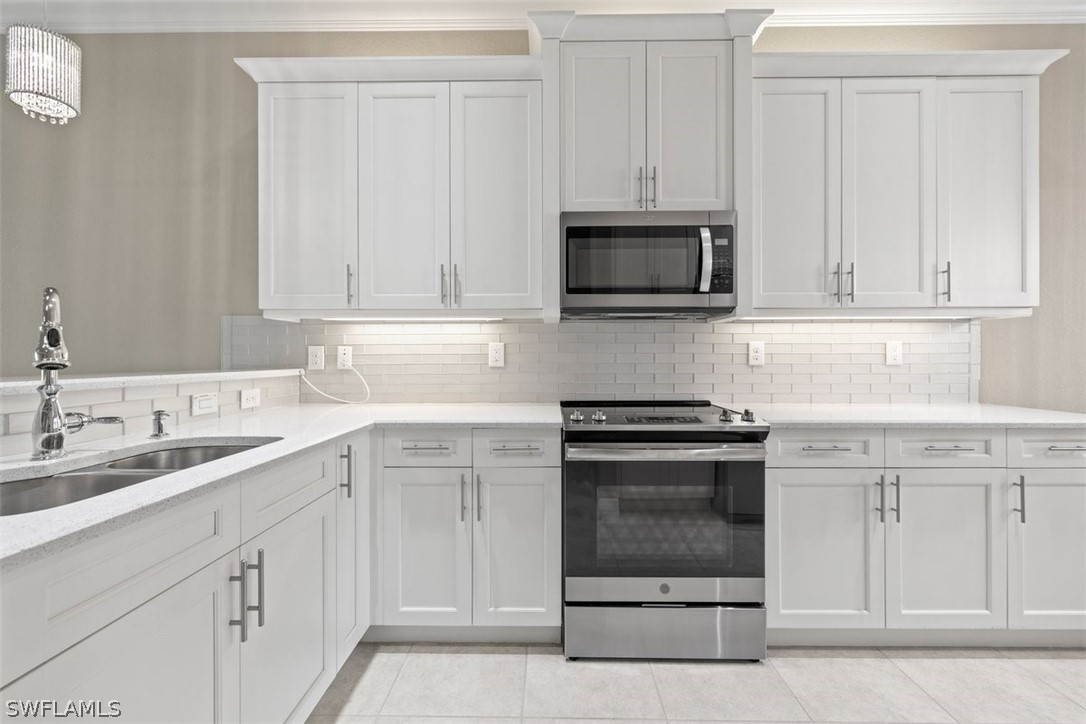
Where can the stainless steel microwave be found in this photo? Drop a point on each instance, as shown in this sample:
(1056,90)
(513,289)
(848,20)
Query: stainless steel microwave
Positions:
(659,265)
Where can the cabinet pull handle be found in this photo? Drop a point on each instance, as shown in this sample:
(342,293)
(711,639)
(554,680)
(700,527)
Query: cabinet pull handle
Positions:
(882,498)
(1067,448)
(350,294)
(444,288)
(499,449)
(654,187)
(837,275)
(852,282)
(831,448)
(947,292)
(897,496)
(457,291)
(1021,485)
(407,447)
(349,457)
(478,498)
(243,622)
(463,507)
(259,568)
(952,448)
(640,187)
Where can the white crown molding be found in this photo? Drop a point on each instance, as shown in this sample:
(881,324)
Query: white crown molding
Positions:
(191,16)
(922,64)
(344,69)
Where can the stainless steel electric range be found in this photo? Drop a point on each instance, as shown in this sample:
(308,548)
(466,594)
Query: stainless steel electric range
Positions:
(663,531)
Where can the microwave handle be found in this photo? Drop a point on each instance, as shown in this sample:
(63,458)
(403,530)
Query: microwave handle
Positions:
(706,260)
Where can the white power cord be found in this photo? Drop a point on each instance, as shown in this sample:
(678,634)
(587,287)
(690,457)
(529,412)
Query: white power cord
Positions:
(339,399)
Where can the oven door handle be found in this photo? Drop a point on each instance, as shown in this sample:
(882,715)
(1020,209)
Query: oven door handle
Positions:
(623,452)
(706,260)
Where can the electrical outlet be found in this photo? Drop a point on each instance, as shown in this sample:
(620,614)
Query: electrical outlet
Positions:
(496,354)
(315,357)
(250,398)
(894,353)
(756,354)
(204,404)
(344,357)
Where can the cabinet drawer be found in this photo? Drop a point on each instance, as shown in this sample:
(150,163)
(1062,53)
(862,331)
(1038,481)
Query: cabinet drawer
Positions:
(271,496)
(429,448)
(1046,448)
(51,604)
(951,448)
(517,448)
(860,448)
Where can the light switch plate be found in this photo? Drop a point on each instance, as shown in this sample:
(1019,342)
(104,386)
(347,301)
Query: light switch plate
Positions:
(315,357)
(895,354)
(756,354)
(250,398)
(496,354)
(344,357)
(205,404)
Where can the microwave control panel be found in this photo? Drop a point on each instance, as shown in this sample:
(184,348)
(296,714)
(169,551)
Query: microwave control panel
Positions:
(723,279)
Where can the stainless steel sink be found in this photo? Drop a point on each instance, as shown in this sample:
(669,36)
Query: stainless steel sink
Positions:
(178,458)
(27,496)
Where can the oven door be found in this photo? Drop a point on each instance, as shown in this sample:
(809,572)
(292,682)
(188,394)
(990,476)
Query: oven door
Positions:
(664,523)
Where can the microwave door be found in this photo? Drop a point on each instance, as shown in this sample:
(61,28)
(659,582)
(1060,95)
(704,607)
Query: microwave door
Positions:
(706,260)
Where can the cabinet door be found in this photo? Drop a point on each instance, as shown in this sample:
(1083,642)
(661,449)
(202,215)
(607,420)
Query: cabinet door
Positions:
(689,125)
(426,558)
(289,658)
(888,192)
(403,180)
(173,659)
(824,548)
(352,544)
(946,548)
(797,193)
(988,192)
(518,547)
(603,126)
(308,194)
(497,222)
(1047,553)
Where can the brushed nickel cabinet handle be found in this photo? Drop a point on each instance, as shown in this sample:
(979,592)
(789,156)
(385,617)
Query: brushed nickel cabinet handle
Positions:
(837,275)
(350,293)
(457,291)
(882,498)
(654,190)
(350,470)
(1021,485)
(1067,448)
(463,505)
(831,448)
(852,282)
(951,448)
(640,187)
(243,622)
(259,568)
(897,496)
(947,292)
(478,498)
(444,288)
(410,447)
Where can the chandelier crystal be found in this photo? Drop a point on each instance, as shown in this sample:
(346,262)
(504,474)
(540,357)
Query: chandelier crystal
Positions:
(43,73)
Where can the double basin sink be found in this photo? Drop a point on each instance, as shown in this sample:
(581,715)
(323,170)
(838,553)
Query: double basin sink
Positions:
(27,496)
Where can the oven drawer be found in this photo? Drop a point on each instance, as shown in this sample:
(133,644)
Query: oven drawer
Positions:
(946,448)
(1046,449)
(653,632)
(434,448)
(517,448)
(858,448)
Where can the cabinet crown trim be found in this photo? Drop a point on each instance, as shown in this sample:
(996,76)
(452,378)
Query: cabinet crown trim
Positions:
(374,69)
(957,63)
(570,26)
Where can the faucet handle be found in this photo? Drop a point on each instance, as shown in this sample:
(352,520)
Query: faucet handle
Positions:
(159,414)
(76,421)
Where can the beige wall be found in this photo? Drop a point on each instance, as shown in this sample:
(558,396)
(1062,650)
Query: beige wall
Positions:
(143,210)
(1039,361)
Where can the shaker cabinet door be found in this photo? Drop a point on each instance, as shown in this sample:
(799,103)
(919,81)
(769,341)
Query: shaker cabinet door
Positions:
(352,543)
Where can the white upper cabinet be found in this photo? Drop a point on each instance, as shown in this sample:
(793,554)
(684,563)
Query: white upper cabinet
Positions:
(308,194)
(689,125)
(403,179)
(988,192)
(497,229)
(797,196)
(888,192)
(603,126)
(646,125)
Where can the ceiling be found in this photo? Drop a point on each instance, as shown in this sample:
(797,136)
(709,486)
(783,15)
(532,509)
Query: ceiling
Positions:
(181,16)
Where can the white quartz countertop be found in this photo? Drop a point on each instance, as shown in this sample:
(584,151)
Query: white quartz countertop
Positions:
(936,415)
(30,536)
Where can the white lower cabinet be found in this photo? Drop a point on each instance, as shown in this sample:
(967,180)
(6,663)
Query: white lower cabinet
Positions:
(1047,553)
(352,543)
(289,658)
(824,549)
(427,546)
(517,547)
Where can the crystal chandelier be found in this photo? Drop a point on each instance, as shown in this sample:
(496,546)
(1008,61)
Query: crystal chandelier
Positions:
(43,73)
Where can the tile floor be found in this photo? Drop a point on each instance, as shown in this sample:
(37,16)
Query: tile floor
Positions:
(443,684)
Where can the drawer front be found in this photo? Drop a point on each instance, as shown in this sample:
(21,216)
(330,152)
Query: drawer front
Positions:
(1046,448)
(859,448)
(517,448)
(428,448)
(274,495)
(50,605)
(946,448)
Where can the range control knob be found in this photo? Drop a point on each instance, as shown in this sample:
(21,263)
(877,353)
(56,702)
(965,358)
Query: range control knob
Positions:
(748,416)
(576,416)
(726,415)
(598,416)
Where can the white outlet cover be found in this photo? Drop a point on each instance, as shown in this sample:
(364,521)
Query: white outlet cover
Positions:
(895,354)
(250,398)
(496,354)
(344,357)
(756,354)
(205,404)
(315,357)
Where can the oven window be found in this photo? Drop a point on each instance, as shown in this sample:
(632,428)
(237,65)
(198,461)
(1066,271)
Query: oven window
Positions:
(661,519)
(632,260)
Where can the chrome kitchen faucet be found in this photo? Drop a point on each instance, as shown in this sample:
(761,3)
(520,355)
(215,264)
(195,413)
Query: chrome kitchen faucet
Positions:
(51,424)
